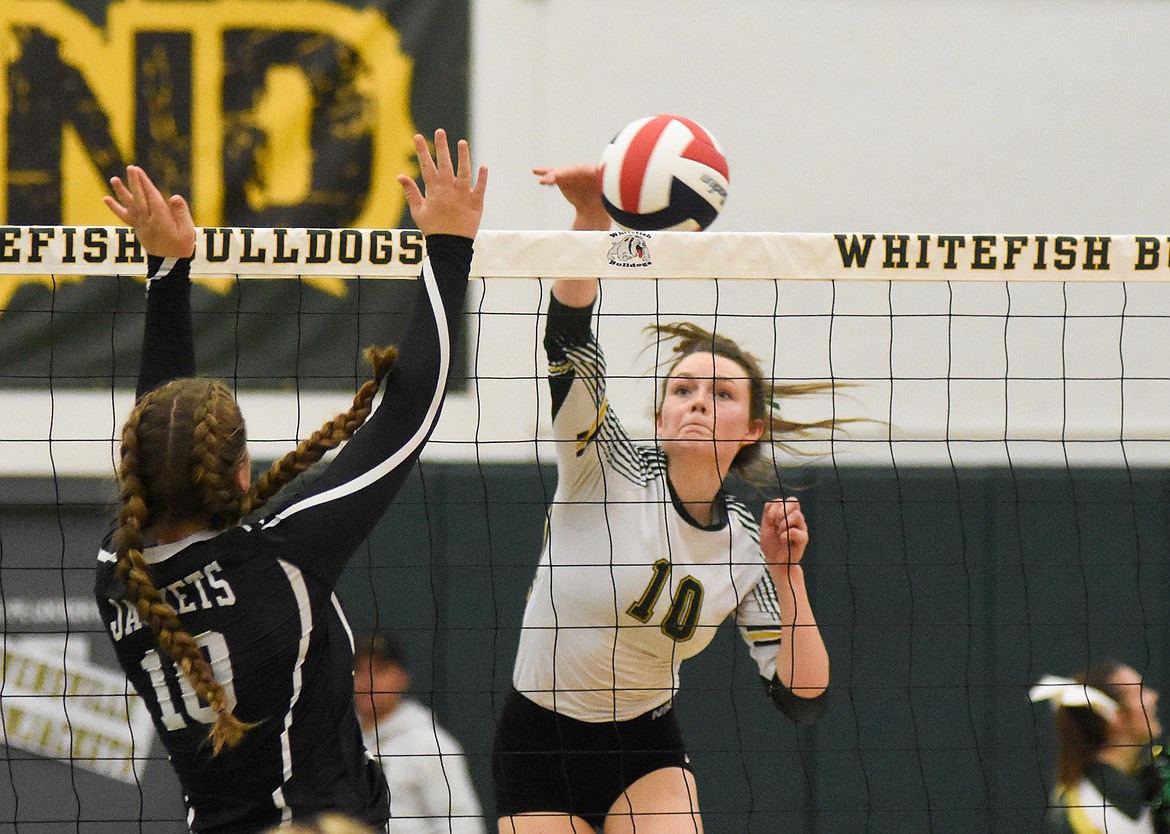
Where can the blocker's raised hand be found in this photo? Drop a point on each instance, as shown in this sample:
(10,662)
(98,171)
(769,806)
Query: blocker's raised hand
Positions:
(163,227)
(451,204)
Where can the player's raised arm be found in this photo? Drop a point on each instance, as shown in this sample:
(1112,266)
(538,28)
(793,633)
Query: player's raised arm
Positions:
(167,234)
(580,186)
(343,505)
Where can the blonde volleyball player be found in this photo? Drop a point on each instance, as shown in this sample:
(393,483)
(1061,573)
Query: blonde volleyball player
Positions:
(230,631)
(644,556)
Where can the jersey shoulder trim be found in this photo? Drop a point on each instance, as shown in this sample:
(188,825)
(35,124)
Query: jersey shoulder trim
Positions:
(738,510)
(161,552)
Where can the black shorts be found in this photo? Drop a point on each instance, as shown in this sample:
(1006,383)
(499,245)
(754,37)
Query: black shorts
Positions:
(542,761)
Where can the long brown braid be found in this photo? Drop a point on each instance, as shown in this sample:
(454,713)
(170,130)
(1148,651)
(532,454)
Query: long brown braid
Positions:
(329,436)
(181,448)
(765,396)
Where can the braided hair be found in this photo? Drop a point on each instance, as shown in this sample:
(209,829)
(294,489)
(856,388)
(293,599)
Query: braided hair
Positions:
(329,436)
(764,395)
(181,448)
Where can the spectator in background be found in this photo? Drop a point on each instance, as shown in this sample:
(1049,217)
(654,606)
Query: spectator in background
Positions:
(1110,777)
(430,788)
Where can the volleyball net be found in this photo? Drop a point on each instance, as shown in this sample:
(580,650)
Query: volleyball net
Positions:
(996,514)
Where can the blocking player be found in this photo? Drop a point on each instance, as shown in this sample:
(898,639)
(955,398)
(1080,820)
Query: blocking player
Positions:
(230,631)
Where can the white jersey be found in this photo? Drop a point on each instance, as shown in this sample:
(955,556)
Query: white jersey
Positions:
(628,585)
(430,788)
(1087,811)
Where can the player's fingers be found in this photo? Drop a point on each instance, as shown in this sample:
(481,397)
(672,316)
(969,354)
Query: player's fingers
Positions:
(794,540)
(179,208)
(120,190)
(410,189)
(137,180)
(796,533)
(181,215)
(480,185)
(426,165)
(442,151)
(117,208)
(777,510)
(583,173)
(463,171)
(152,199)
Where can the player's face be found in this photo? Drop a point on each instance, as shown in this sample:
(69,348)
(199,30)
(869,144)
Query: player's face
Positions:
(706,409)
(1137,722)
(378,687)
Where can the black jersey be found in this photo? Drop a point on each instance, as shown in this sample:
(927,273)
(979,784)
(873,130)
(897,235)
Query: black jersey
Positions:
(259,598)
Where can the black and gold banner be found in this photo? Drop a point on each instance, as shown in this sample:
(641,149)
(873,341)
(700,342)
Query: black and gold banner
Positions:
(263,113)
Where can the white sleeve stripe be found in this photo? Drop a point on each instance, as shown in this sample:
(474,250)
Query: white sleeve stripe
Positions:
(344,621)
(165,269)
(297,581)
(764,600)
(373,474)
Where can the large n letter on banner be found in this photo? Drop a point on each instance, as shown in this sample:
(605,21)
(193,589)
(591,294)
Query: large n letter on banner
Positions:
(265,112)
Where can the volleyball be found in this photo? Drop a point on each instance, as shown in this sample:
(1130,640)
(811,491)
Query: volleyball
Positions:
(663,173)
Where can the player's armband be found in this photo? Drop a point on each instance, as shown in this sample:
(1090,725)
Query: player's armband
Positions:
(800,710)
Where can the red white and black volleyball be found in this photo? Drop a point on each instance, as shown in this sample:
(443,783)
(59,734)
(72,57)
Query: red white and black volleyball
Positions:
(663,173)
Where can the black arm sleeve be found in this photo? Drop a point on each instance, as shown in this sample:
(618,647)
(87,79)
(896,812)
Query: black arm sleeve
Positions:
(565,327)
(800,710)
(320,529)
(168,340)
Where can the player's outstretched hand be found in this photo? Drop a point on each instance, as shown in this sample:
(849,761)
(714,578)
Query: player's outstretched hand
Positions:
(163,227)
(783,532)
(580,185)
(451,205)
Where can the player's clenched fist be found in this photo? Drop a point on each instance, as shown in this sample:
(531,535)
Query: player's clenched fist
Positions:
(783,532)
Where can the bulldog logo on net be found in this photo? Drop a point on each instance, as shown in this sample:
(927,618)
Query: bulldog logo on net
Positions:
(629,249)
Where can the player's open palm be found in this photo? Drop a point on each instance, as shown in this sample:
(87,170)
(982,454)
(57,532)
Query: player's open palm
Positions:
(451,204)
(163,227)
